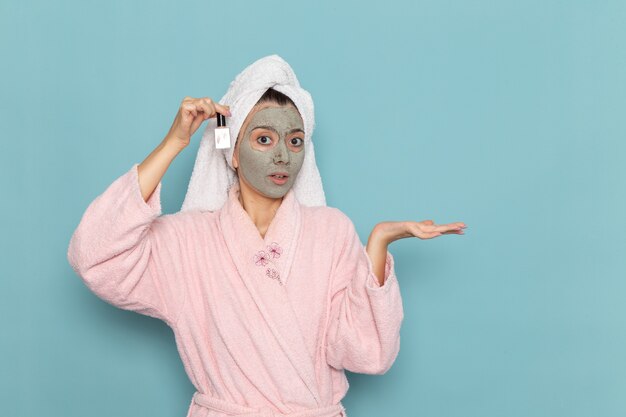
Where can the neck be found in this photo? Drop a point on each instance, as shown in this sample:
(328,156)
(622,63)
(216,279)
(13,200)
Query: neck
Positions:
(260,208)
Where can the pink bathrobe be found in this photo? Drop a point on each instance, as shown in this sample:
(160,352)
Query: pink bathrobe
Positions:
(264,326)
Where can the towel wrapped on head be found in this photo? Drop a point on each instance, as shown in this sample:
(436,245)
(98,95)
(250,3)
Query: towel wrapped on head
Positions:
(213,173)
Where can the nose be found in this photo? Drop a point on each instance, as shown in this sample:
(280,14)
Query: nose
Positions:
(281,154)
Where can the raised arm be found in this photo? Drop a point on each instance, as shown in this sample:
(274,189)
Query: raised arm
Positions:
(123,249)
(192,112)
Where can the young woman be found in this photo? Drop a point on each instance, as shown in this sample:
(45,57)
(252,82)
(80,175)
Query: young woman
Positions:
(269,292)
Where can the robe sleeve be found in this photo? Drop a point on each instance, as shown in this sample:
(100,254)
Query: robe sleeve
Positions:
(363,334)
(127,253)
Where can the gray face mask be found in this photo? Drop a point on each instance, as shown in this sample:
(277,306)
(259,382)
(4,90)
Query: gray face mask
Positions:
(278,136)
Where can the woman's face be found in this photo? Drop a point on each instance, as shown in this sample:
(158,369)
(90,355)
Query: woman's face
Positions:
(270,145)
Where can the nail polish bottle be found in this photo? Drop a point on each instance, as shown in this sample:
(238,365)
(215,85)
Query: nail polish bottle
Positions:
(222,133)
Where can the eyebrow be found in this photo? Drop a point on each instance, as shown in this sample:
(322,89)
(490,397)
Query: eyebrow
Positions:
(274,130)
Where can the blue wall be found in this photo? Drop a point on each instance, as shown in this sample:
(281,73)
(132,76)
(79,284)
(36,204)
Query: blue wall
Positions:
(508,116)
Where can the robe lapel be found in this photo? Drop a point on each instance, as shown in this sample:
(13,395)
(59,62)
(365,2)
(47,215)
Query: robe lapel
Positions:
(264,265)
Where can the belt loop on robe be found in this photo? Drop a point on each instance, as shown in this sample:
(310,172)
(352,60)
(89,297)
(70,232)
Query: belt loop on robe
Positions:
(231,409)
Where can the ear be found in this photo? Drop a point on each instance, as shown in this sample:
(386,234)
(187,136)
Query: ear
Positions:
(235,160)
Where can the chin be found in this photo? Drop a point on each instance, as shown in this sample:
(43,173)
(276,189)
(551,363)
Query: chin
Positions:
(278,192)
(277,195)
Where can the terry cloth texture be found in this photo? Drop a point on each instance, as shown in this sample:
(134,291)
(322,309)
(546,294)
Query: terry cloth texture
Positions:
(261,323)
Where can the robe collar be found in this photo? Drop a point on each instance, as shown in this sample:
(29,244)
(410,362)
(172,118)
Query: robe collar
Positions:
(264,265)
(272,254)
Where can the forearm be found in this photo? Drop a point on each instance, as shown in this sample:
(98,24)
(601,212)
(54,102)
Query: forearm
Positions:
(377,250)
(152,169)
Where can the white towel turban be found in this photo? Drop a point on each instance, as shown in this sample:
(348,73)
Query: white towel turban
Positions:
(213,173)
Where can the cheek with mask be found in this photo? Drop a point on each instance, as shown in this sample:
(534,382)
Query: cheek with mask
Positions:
(257,164)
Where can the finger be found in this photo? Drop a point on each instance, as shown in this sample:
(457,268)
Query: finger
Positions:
(446,227)
(454,232)
(424,235)
(430,227)
(223,109)
(418,229)
(207,103)
(190,108)
(454,225)
(206,109)
(216,107)
(196,123)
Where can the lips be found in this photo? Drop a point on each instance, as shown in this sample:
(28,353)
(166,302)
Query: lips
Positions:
(279,178)
(279,174)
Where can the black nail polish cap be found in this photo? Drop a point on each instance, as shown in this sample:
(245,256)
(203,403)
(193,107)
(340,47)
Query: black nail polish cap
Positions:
(221,120)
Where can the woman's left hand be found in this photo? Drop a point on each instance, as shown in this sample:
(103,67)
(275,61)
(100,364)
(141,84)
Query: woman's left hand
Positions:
(386,232)
(427,229)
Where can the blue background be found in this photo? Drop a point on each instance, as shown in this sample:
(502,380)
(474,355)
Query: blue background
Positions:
(508,116)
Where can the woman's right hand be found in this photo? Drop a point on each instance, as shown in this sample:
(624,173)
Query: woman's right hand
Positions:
(191,114)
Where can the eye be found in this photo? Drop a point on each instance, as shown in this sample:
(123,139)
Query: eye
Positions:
(297,141)
(264,140)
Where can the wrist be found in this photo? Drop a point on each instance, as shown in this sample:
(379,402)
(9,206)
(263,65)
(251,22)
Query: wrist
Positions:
(379,236)
(171,147)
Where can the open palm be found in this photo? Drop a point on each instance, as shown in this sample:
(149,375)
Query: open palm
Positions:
(426,229)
